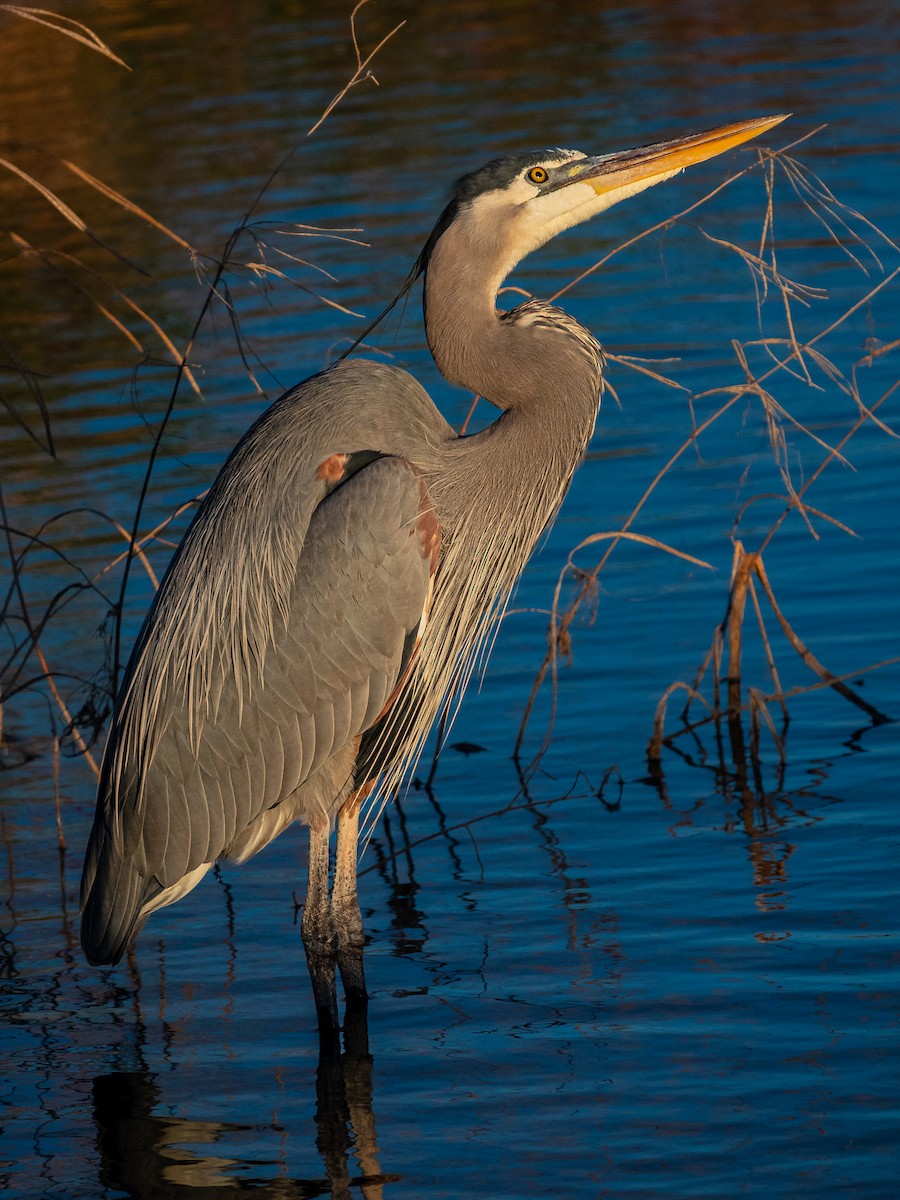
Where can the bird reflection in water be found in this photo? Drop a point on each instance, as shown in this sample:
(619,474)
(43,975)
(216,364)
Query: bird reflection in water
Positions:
(153,1155)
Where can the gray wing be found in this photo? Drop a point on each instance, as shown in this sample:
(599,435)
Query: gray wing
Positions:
(279,744)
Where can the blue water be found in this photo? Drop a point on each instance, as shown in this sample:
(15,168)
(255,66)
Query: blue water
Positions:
(592,975)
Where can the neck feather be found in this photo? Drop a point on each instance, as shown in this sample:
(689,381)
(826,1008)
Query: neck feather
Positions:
(516,360)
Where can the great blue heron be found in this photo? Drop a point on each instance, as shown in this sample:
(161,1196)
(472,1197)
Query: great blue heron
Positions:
(342,575)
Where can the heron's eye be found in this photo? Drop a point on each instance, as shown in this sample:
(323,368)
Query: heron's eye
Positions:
(537,175)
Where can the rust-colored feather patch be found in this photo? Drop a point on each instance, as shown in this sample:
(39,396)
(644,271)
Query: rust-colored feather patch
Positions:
(331,470)
(428,527)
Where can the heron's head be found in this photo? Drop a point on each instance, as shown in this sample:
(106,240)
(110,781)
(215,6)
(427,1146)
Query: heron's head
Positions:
(515,204)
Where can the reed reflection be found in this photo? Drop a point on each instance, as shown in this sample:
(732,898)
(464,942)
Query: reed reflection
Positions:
(393,852)
(759,802)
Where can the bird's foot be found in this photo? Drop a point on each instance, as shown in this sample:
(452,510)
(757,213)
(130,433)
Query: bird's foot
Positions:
(350,965)
(321,963)
(350,942)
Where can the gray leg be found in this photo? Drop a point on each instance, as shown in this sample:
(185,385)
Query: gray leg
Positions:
(345,914)
(317,929)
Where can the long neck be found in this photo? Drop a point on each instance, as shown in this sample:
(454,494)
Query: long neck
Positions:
(535,360)
(469,343)
(495,492)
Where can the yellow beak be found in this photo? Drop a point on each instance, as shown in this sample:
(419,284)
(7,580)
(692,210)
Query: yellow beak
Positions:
(610,172)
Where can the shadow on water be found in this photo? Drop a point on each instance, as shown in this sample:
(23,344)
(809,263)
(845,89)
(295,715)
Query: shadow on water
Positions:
(151,1154)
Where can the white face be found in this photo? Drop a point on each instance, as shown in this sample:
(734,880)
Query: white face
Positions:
(511,222)
(578,201)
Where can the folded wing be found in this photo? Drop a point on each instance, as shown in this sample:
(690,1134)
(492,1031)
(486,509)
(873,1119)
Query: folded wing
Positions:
(278,744)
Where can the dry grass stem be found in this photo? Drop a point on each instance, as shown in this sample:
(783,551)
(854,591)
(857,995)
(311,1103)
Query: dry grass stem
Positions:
(64,710)
(68,26)
(129,205)
(644,538)
(747,568)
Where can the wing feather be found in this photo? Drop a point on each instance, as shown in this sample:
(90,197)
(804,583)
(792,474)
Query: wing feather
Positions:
(219,771)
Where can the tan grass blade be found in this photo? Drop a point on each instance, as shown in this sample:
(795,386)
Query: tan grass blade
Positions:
(51,197)
(639,537)
(68,212)
(68,26)
(135,209)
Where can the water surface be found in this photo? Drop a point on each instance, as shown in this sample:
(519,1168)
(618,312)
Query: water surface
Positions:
(599,977)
